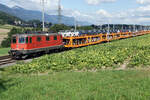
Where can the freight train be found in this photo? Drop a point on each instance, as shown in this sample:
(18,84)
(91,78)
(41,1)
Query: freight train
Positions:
(23,45)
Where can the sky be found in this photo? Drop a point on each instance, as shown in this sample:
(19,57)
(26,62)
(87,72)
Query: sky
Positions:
(93,11)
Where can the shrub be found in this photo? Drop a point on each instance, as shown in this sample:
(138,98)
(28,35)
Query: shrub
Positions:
(7,41)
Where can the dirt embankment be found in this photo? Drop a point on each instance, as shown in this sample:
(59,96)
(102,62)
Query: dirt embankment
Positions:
(3,34)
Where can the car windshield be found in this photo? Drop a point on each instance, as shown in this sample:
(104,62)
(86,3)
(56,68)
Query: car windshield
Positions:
(22,40)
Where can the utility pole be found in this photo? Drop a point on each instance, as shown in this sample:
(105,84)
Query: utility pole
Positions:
(134,28)
(101,27)
(141,27)
(144,27)
(59,12)
(129,28)
(113,27)
(43,17)
(75,24)
(122,27)
(108,31)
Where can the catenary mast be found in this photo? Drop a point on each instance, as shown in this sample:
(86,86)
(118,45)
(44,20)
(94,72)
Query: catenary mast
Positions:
(43,13)
(59,12)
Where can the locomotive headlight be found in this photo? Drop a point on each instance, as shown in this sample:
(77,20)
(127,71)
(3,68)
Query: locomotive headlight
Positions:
(46,34)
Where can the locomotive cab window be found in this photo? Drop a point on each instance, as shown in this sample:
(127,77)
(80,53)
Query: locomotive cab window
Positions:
(47,38)
(55,37)
(14,40)
(38,39)
(22,40)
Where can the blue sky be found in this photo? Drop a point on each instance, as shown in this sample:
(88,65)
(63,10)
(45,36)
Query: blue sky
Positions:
(94,11)
(82,5)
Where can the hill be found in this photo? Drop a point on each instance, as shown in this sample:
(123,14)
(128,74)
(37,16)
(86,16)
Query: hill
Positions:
(7,18)
(27,15)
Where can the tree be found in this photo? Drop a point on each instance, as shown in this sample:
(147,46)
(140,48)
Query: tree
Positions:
(7,41)
(2,22)
(85,28)
(35,23)
(57,27)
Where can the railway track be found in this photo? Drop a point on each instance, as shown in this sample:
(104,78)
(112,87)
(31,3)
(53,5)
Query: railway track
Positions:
(6,60)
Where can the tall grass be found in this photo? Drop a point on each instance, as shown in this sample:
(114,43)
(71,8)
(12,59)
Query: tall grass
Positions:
(102,85)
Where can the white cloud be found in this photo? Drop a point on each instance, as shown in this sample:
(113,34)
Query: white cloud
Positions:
(103,13)
(96,2)
(131,16)
(31,4)
(144,8)
(80,16)
(143,1)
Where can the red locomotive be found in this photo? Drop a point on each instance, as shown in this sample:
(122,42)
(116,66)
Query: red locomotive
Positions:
(23,45)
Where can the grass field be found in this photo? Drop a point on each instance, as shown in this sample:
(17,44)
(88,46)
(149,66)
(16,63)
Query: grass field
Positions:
(69,84)
(6,26)
(101,85)
(4,51)
(4,31)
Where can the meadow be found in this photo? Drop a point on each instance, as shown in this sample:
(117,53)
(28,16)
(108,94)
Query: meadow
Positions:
(100,85)
(4,51)
(88,73)
(7,26)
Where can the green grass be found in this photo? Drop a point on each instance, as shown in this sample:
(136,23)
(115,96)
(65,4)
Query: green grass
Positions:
(6,26)
(101,85)
(81,85)
(4,51)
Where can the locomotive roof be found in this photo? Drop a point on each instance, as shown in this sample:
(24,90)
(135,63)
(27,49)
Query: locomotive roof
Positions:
(36,34)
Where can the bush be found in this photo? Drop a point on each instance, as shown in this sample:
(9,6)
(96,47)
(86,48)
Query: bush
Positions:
(57,27)
(7,41)
(2,22)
